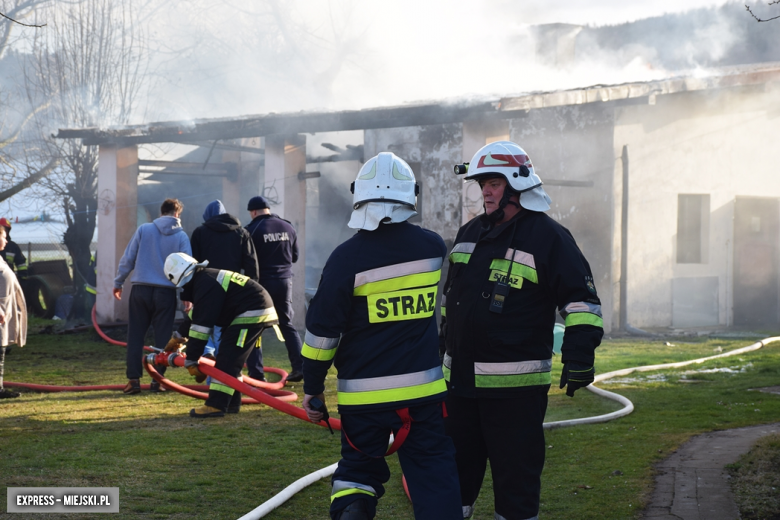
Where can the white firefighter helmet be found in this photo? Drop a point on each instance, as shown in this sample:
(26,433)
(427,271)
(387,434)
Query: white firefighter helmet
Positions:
(507,159)
(385,178)
(180,267)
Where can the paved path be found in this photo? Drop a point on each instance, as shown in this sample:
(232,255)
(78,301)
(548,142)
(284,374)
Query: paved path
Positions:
(692,485)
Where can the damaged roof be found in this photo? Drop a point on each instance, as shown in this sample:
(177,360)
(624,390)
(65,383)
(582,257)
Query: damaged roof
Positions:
(417,114)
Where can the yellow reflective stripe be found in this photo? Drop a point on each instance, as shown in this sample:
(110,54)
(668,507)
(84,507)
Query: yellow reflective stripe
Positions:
(512,380)
(317,354)
(350,491)
(189,313)
(392,394)
(239,278)
(241,338)
(248,320)
(224,279)
(396,284)
(259,342)
(447,372)
(219,387)
(584,318)
(460,258)
(90,289)
(413,304)
(22,267)
(443,311)
(198,335)
(529,273)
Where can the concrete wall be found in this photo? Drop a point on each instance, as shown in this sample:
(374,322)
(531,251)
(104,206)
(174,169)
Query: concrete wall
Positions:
(718,143)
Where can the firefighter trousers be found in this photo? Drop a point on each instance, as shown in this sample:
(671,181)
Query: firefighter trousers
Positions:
(235,345)
(508,432)
(426,457)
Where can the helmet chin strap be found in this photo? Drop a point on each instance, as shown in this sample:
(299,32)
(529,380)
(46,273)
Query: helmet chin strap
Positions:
(498,214)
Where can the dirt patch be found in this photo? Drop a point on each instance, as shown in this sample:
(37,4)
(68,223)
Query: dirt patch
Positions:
(755,480)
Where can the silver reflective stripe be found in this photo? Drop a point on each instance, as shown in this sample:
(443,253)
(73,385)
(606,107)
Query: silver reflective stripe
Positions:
(513,367)
(468,511)
(447,360)
(371,384)
(221,276)
(521,257)
(443,300)
(320,342)
(341,485)
(255,313)
(581,307)
(202,329)
(464,247)
(394,271)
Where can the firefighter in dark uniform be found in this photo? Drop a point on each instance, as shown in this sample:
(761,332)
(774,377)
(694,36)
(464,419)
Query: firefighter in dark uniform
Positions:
(12,253)
(373,316)
(510,268)
(276,243)
(220,298)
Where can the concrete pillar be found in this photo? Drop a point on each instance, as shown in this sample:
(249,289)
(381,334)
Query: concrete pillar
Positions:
(285,159)
(117,219)
(477,134)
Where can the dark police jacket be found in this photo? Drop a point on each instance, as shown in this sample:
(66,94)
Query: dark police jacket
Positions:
(373,315)
(225,244)
(500,355)
(223,298)
(276,244)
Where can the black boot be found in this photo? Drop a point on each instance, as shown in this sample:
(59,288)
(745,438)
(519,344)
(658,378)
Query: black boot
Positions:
(355,511)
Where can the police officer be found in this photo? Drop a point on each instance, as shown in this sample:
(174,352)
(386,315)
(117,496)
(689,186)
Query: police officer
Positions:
(373,316)
(510,268)
(277,250)
(226,299)
(12,253)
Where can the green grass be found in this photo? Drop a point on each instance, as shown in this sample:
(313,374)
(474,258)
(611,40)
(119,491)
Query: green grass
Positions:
(167,465)
(756,480)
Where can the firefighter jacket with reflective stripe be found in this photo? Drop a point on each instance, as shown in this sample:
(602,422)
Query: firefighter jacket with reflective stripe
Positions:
(14,257)
(373,317)
(223,298)
(490,354)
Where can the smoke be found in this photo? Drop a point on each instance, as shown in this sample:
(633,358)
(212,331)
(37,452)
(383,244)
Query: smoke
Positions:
(227,59)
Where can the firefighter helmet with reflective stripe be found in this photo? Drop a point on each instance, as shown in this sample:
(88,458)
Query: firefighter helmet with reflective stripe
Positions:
(180,267)
(5,223)
(506,159)
(385,178)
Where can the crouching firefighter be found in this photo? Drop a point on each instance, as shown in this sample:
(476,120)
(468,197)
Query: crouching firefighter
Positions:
(373,316)
(229,300)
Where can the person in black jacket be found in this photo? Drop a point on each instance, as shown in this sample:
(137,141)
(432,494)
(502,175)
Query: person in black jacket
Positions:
(510,268)
(12,253)
(226,299)
(222,242)
(276,243)
(373,316)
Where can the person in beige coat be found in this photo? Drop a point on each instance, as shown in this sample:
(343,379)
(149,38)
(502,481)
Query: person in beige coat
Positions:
(13,314)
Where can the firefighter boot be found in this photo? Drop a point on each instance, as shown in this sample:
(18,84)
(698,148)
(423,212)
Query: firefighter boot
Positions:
(355,511)
(133,386)
(235,403)
(202,412)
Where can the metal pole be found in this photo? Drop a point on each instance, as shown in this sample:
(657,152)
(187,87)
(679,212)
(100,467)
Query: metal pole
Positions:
(624,244)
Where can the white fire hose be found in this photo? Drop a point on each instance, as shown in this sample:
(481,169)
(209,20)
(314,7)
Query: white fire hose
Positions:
(628,407)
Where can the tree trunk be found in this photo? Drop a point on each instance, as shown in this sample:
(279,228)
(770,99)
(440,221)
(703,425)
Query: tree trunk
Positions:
(78,237)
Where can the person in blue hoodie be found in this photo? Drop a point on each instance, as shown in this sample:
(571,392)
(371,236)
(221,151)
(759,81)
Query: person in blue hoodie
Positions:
(152,299)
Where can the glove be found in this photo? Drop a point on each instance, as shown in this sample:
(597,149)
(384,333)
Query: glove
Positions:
(192,368)
(576,375)
(175,343)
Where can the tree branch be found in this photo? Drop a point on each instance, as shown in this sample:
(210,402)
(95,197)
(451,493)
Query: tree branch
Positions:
(30,180)
(20,23)
(762,19)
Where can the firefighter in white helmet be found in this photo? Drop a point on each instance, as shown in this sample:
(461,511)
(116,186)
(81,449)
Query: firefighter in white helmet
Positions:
(510,268)
(373,317)
(226,299)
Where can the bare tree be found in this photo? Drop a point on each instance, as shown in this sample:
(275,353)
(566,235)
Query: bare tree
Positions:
(89,67)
